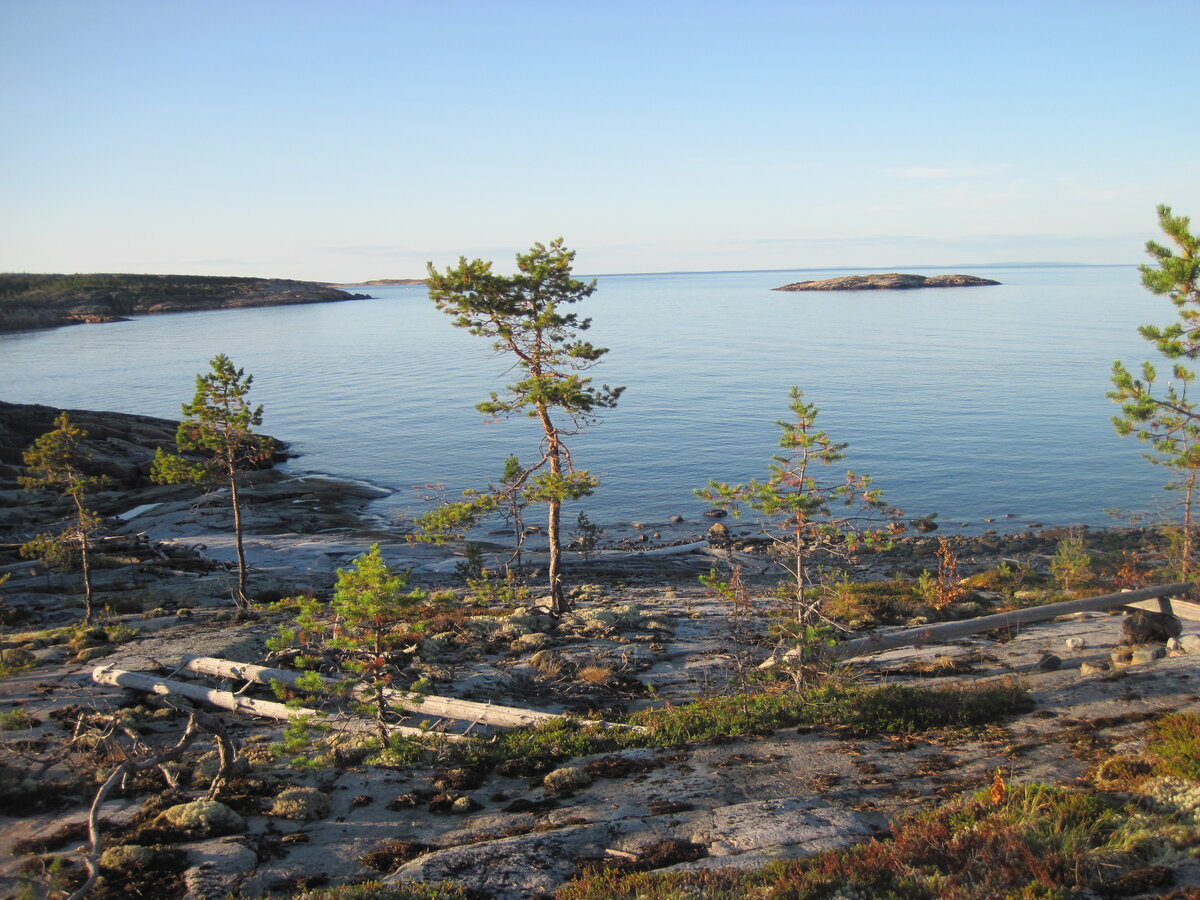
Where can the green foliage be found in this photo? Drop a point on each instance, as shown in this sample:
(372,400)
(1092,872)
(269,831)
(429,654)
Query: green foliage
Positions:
(492,589)
(802,514)
(370,601)
(54,464)
(854,710)
(1174,742)
(1071,564)
(303,744)
(1168,421)
(523,315)
(16,720)
(218,432)
(586,536)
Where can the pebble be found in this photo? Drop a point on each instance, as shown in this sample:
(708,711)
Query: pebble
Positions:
(1076,643)
(1096,668)
(1049,662)
(1147,654)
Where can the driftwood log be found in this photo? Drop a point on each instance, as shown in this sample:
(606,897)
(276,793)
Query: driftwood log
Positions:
(949,631)
(441,707)
(152,684)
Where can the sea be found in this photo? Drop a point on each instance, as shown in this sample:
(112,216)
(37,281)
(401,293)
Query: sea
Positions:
(984,405)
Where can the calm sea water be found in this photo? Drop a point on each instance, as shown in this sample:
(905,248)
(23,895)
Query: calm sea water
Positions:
(970,402)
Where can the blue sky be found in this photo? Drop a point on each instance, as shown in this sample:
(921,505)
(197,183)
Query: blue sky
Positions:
(356,140)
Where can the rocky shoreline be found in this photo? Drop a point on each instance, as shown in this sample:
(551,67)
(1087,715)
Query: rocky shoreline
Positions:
(50,301)
(643,634)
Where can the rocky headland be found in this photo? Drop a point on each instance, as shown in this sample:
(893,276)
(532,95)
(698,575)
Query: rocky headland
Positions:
(891,281)
(48,301)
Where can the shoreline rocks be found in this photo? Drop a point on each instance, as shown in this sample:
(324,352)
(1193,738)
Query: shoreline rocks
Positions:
(891,281)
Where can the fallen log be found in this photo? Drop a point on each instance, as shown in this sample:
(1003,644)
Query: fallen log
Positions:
(152,684)
(442,707)
(948,631)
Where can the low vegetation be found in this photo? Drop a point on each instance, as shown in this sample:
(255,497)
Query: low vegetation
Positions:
(1034,841)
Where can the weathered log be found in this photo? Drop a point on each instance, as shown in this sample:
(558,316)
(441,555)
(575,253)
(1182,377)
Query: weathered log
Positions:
(152,684)
(949,631)
(442,707)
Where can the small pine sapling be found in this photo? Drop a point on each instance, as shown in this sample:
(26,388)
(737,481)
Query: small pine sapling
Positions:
(370,602)
(802,514)
(586,536)
(54,465)
(1071,564)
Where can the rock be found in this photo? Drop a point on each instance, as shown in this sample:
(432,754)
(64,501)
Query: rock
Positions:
(1190,643)
(892,281)
(676,519)
(1075,644)
(202,818)
(716,513)
(783,822)
(1121,656)
(220,867)
(87,654)
(1174,645)
(718,536)
(513,868)
(1142,627)
(1049,663)
(1093,668)
(568,778)
(1147,654)
(303,803)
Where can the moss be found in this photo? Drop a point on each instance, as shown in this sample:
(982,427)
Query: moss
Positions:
(568,778)
(302,803)
(201,818)
(127,856)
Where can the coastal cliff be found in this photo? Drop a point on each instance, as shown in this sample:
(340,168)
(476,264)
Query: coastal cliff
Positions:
(892,281)
(48,301)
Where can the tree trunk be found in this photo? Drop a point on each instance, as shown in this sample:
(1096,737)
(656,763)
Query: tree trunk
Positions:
(89,610)
(242,599)
(558,599)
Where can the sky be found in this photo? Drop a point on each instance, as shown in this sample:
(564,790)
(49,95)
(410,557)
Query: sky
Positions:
(359,139)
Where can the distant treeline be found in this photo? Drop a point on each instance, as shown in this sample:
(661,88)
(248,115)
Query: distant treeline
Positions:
(45,301)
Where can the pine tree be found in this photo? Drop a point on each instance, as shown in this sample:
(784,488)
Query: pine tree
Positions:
(54,463)
(523,316)
(801,513)
(218,426)
(1170,421)
(370,602)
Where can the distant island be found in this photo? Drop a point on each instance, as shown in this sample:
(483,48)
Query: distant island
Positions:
(48,301)
(892,281)
(380,282)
